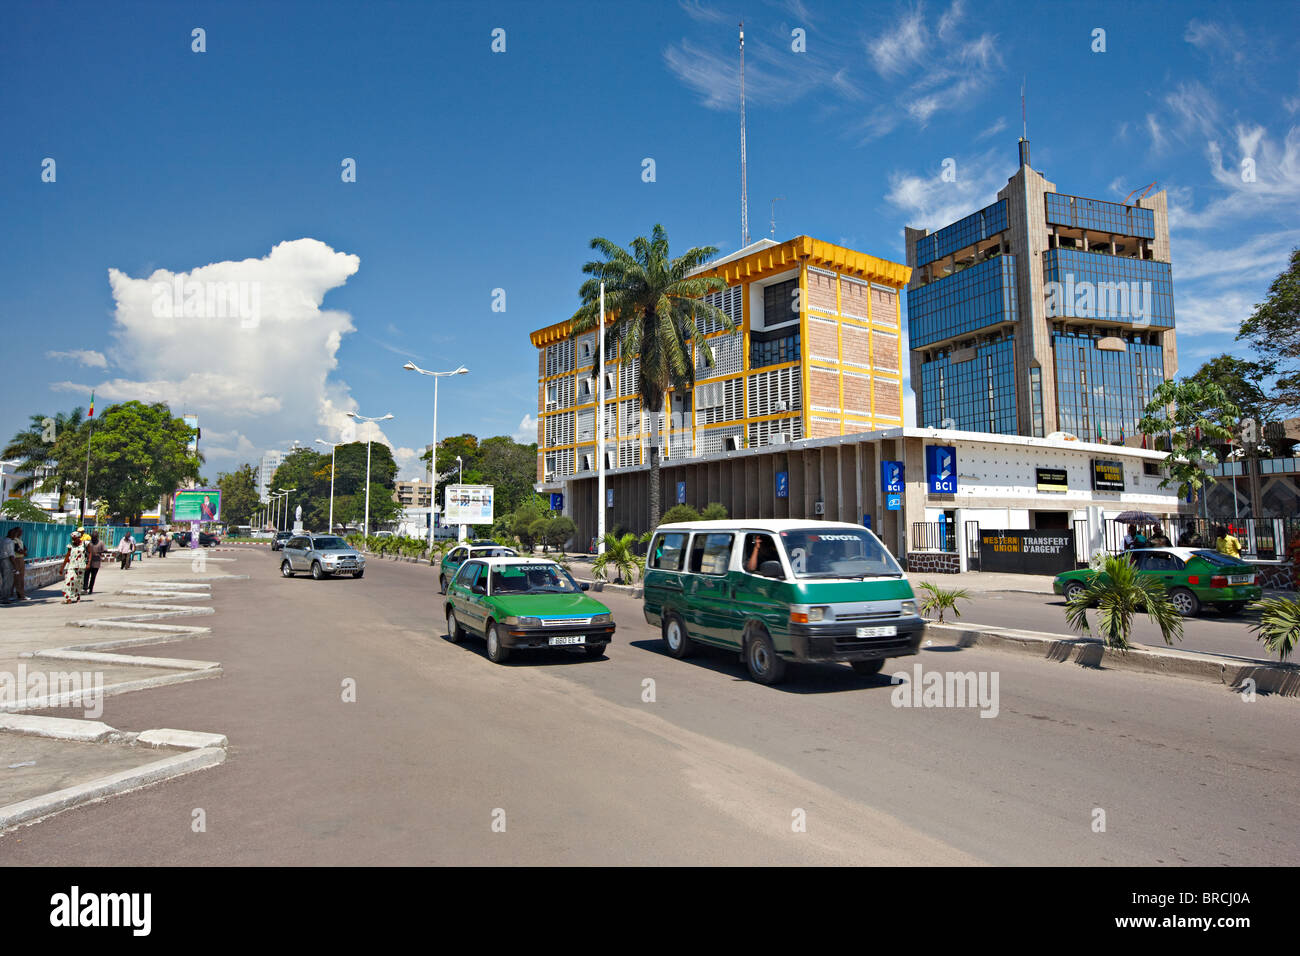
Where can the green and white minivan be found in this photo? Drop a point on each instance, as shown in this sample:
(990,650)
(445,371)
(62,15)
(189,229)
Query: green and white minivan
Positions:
(780,590)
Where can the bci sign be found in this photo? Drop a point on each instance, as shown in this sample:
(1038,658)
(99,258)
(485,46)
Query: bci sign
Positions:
(941,469)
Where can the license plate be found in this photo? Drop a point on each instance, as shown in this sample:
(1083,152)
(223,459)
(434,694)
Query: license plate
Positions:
(576,639)
(887,630)
(1241,578)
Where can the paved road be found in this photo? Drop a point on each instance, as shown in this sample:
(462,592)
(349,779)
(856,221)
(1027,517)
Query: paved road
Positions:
(713,771)
(1209,631)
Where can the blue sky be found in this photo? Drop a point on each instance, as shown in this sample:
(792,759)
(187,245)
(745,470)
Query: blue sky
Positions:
(478,171)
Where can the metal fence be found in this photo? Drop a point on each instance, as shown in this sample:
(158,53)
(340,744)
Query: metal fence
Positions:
(933,536)
(1263,539)
(45,540)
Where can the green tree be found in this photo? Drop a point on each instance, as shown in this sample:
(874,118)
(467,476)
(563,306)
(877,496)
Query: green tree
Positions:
(138,454)
(21,509)
(679,513)
(1119,590)
(529,512)
(36,450)
(620,555)
(654,300)
(238,495)
(714,511)
(1192,417)
(559,530)
(1244,382)
(1273,330)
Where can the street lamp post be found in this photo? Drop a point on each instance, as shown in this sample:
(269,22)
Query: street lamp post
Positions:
(433,455)
(365,521)
(332,445)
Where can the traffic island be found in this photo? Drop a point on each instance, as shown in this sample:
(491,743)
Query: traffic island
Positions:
(1237,673)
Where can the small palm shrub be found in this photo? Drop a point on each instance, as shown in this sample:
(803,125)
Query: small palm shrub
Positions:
(621,557)
(1118,591)
(941,600)
(714,511)
(1278,626)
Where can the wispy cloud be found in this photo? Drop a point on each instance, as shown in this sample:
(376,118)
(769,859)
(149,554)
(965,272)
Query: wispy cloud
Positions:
(87,357)
(1220,42)
(927,201)
(698,11)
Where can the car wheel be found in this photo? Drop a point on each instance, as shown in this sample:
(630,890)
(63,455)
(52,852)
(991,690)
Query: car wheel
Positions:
(675,636)
(286,569)
(1073,589)
(358,574)
(496,651)
(594,650)
(1184,601)
(317,572)
(867,668)
(765,666)
(442,583)
(455,633)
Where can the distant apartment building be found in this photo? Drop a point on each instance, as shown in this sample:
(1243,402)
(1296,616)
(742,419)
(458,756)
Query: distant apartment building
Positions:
(265,474)
(815,352)
(413,494)
(1042,312)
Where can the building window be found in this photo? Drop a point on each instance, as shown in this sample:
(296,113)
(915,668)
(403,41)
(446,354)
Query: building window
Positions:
(780,303)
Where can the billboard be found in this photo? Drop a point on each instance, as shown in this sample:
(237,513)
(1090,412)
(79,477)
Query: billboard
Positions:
(467,504)
(197,504)
(1107,475)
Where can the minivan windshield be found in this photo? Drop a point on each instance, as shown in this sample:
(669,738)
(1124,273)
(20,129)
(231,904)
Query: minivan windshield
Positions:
(838,553)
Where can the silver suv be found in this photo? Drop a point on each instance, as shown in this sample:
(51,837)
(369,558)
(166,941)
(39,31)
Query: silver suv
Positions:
(322,555)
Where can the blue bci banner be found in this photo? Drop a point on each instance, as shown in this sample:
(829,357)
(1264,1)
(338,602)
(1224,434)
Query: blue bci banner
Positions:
(893,502)
(891,477)
(783,484)
(941,469)
(557,501)
(681,492)
(866,521)
(609,497)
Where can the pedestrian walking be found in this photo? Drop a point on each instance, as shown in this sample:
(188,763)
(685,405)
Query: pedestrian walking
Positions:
(19,559)
(74,568)
(153,544)
(125,548)
(164,542)
(94,558)
(7,551)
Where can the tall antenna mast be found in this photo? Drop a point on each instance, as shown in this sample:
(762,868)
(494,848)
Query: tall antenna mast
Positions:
(775,200)
(1024,122)
(744,172)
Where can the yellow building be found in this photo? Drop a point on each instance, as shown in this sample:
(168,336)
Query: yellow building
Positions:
(816,352)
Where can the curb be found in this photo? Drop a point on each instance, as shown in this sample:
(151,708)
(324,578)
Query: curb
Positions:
(26,811)
(1281,679)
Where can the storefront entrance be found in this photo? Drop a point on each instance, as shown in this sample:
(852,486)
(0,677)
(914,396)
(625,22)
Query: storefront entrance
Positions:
(1051,520)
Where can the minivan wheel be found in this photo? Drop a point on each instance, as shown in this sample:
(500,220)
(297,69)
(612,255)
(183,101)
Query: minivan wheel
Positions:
(496,652)
(286,569)
(765,666)
(867,668)
(317,572)
(675,636)
(1184,601)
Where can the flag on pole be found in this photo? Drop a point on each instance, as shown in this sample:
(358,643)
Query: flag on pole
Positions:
(1099,438)
(1144,440)
(1121,434)
(92,405)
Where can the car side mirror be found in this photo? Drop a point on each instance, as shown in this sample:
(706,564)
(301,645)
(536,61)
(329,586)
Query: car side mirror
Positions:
(584,585)
(772,569)
(479,589)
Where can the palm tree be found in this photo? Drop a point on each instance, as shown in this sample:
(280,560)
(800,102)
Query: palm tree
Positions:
(941,599)
(1118,590)
(619,555)
(654,301)
(35,453)
(1279,625)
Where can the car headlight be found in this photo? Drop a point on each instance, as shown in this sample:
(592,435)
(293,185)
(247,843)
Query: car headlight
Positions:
(513,621)
(909,607)
(602,619)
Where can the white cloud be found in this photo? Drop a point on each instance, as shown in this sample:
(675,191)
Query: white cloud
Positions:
(897,50)
(526,433)
(87,357)
(1219,42)
(251,382)
(928,202)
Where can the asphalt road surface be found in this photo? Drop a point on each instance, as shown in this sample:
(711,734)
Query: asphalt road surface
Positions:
(440,744)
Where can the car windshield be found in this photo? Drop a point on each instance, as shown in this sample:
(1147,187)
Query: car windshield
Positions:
(1218,559)
(838,553)
(331,544)
(532,579)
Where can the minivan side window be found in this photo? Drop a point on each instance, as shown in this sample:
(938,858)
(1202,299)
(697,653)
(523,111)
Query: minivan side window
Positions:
(668,552)
(757,549)
(711,553)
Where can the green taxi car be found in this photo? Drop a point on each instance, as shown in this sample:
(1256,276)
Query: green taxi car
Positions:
(1193,577)
(516,603)
(457,556)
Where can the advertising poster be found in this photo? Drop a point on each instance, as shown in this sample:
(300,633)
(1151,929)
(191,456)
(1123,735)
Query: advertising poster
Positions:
(467,504)
(196,504)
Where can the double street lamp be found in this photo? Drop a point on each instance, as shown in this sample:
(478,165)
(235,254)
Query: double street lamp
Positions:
(365,521)
(433,455)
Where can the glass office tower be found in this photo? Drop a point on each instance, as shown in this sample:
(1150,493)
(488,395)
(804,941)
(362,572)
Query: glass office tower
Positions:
(1042,312)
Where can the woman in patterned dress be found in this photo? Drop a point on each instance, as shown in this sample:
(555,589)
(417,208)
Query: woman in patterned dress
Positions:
(74,569)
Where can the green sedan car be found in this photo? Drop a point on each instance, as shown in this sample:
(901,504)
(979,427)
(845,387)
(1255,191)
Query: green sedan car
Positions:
(1194,578)
(516,603)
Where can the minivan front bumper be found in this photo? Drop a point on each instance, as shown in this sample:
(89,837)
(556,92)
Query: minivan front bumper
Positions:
(840,642)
